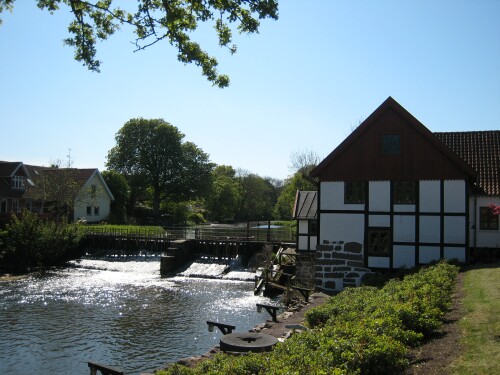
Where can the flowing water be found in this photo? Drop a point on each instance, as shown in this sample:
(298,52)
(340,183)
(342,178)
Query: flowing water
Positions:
(117,313)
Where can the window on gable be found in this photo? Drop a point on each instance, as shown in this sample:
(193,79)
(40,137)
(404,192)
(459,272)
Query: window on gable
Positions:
(354,192)
(391,144)
(18,182)
(405,192)
(379,241)
(89,210)
(96,210)
(487,221)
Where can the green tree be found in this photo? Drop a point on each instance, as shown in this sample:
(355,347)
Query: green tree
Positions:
(156,20)
(151,153)
(31,242)
(284,207)
(222,203)
(257,197)
(304,162)
(120,189)
(197,170)
(59,189)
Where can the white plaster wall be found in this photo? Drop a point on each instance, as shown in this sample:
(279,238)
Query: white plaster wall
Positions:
(303,242)
(455,253)
(478,237)
(454,229)
(404,228)
(313,240)
(332,197)
(379,262)
(403,256)
(342,227)
(379,193)
(404,208)
(383,221)
(428,254)
(454,196)
(430,196)
(430,229)
(102,200)
(303,226)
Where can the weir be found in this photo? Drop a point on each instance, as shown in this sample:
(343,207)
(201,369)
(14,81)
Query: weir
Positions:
(174,253)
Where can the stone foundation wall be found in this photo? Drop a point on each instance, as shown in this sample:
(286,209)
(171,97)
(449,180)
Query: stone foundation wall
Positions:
(338,265)
(305,268)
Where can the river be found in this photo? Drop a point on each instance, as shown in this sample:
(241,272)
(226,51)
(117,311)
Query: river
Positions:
(117,313)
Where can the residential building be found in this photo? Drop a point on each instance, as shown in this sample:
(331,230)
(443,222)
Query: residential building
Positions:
(393,194)
(37,189)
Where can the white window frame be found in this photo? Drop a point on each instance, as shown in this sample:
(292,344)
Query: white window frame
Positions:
(18,182)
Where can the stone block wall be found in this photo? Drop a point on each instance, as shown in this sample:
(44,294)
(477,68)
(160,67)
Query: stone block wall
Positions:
(338,265)
(305,268)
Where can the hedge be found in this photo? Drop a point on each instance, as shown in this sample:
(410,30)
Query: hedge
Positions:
(363,330)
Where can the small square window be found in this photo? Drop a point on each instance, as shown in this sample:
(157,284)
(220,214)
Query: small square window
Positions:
(405,192)
(391,144)
(313,227)
(379,241)
(487,220)
(354,192)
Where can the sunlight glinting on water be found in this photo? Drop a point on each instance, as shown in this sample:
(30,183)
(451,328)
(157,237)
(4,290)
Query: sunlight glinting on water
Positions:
(118,313)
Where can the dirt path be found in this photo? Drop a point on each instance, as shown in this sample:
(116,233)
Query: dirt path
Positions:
(436,355)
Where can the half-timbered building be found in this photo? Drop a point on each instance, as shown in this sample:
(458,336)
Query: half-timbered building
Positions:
(393,194)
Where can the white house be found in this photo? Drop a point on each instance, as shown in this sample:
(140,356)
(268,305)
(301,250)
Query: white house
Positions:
(94,200)
(19,183)
(393,194)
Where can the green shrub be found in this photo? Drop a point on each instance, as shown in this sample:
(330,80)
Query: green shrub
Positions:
(360,331)
(29,242)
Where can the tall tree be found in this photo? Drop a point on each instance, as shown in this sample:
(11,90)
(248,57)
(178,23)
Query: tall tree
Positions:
(222,203)
(284,206)
(197,170)
(120,189)
(157,20)
(257,197)
(303,162)
(59,188)
(152,151)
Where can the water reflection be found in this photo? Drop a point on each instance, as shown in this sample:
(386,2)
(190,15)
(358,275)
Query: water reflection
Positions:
(119,313)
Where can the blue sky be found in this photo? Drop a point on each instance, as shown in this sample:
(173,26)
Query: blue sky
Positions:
(303,83)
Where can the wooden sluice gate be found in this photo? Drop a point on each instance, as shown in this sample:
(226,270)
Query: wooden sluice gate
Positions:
(226,249)
(125,244)
(173,253)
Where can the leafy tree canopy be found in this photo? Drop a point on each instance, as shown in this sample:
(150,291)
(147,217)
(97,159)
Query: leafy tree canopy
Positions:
(222,203)
(151,152)
(284,207)
(157,20)
(120,189)
(257,197)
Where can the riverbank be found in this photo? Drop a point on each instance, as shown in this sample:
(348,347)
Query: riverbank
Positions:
(438,354)
(294,315)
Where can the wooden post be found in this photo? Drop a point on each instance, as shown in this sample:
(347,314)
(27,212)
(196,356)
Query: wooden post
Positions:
(270,309)
(224,328)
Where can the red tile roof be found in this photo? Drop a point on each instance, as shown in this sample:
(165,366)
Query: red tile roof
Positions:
(481,150)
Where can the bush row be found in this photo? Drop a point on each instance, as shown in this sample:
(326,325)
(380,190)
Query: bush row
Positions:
(362,330)
(28,243)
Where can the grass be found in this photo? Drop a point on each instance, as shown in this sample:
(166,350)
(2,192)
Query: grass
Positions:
(481,324)
(111,228)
